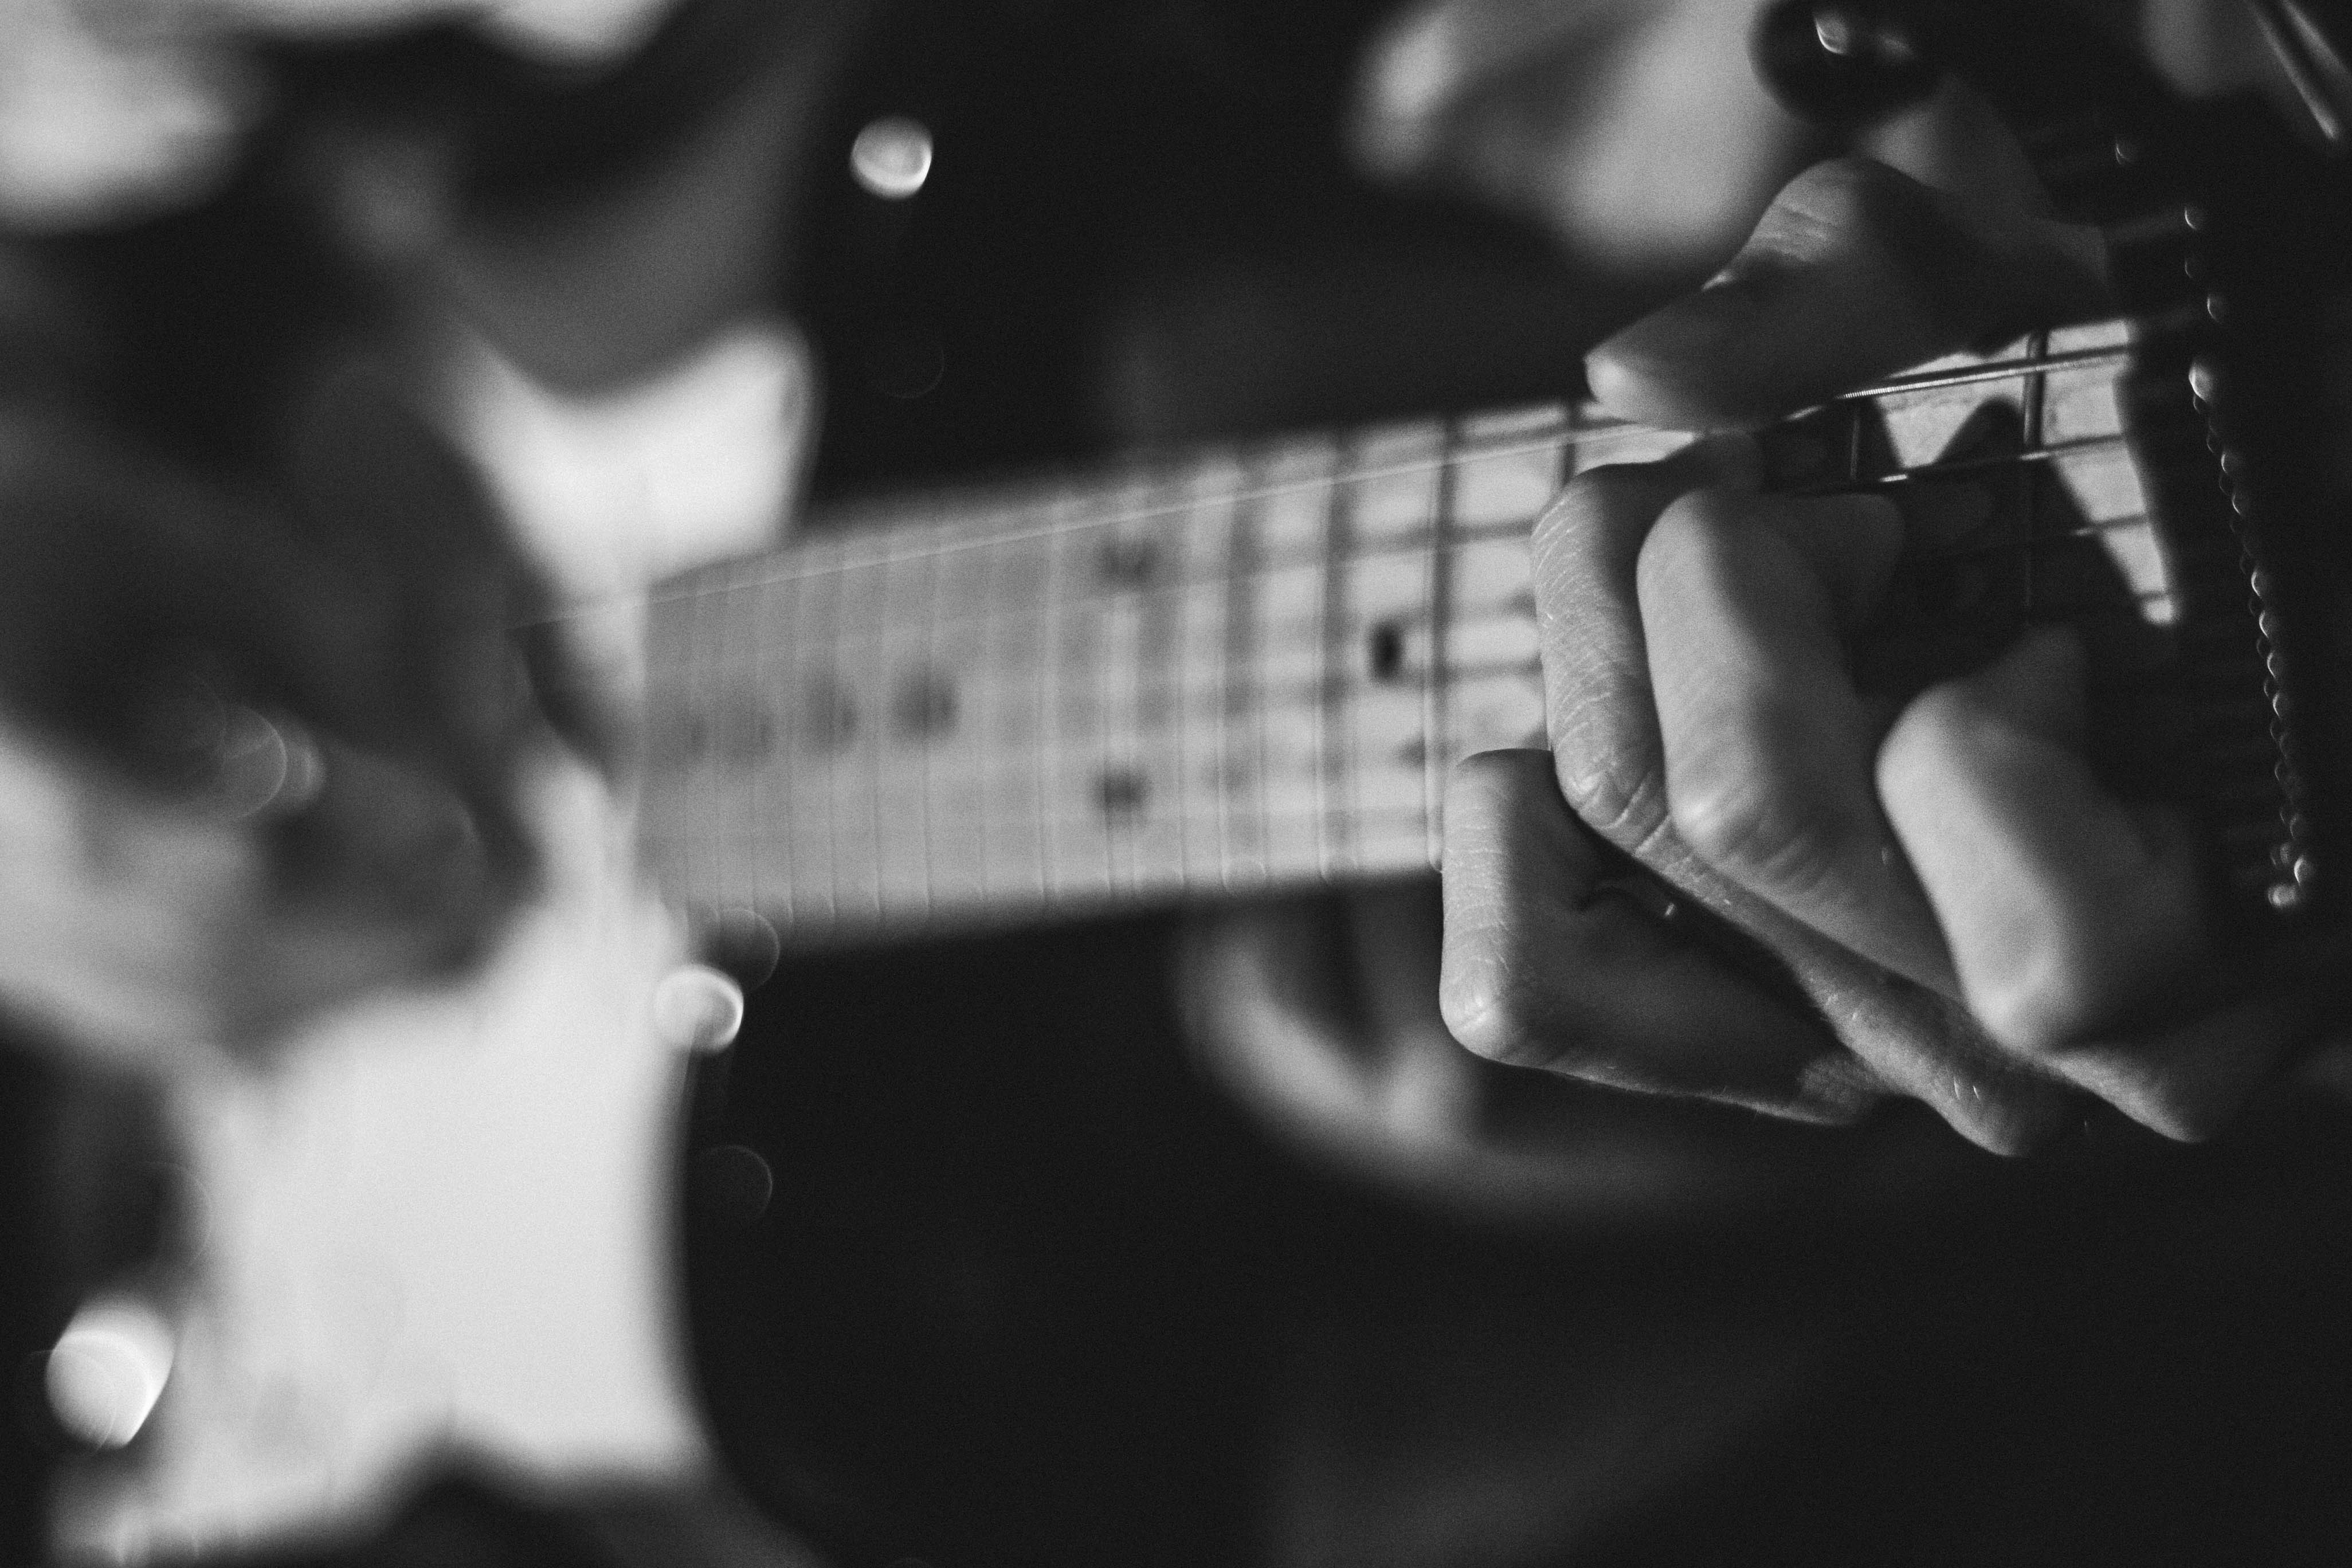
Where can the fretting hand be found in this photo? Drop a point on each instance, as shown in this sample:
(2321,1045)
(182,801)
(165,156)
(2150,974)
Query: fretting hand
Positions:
(1979,923)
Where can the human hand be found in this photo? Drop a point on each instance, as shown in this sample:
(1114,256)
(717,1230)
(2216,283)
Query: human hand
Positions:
(256,755)
(1970,919)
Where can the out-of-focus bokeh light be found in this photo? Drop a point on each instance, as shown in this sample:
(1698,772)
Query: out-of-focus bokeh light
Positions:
(698,1008)
(733,1183)
(892,157)
(108,1370)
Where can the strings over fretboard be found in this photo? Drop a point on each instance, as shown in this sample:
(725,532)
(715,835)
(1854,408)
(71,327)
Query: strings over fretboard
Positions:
(1232,670)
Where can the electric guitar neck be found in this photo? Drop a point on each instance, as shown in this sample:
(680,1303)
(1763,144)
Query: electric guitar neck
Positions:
(1250,669)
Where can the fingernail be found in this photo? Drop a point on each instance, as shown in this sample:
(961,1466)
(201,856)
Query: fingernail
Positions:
(697,1009)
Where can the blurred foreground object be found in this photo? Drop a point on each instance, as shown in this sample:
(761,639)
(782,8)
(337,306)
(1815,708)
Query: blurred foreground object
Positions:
(107,1368)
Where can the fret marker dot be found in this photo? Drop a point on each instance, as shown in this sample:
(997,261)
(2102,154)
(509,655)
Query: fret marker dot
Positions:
(1128,562)
(1121,793)
(892,157)
(1387,651)
(926,705)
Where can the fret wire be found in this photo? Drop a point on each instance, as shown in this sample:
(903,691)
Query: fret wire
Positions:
(1439,578)
(1122,675)
(1941,381)
(1102,610)
(1219,730)
(1008,607)
(1163,629)
(866,777)
(698,666)
(1044,742)
(763,633)
(929,857)
(1242,650)
(1336,523)
(2029,487)
(970,722)
(802,613)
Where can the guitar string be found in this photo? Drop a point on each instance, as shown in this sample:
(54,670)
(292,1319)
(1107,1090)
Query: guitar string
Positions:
(838,550)
(1440,674)
(1579,432)
(1420,542)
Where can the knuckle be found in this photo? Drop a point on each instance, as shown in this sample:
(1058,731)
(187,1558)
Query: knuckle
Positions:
(1754,828)
(1627,808)
(1500,1011)
(2045,1005)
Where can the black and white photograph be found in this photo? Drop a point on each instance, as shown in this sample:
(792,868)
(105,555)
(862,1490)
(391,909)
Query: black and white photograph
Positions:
(1175,784)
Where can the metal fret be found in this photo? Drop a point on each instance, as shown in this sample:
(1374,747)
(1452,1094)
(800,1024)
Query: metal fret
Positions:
(1439,589)
(1329,717)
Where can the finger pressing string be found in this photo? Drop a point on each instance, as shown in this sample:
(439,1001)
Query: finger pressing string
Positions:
(1603,729)
(2063,906)
(1855,271)
(1768,748)
(1544,967)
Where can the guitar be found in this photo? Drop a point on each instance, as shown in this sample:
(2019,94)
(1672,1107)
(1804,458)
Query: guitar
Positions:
(1250,668)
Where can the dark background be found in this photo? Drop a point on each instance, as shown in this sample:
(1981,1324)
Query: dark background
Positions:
(1028,1291)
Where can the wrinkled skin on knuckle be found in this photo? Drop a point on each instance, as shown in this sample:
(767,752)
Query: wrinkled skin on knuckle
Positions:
(1753,826)
(1628,807)
(1494,991)
(1606,756)
(1503,1012)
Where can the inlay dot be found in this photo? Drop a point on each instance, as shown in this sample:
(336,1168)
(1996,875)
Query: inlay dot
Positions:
(925,705)
(1128,562)
(1121,793)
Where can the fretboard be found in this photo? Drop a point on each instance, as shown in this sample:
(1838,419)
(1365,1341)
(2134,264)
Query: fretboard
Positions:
(1209,674)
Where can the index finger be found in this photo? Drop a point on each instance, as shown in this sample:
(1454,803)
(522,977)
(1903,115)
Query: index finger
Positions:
(1855,272)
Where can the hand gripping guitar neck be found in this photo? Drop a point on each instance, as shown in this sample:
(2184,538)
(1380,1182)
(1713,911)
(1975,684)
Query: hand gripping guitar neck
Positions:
(2227,239)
